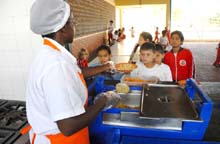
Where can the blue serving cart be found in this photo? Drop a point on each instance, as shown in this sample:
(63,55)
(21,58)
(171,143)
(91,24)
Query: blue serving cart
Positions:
(125,125)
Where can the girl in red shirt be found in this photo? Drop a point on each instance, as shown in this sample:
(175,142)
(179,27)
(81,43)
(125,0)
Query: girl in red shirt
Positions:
(179,59)
(83,56)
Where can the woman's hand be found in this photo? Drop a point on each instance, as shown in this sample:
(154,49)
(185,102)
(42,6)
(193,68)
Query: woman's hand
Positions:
(112,99)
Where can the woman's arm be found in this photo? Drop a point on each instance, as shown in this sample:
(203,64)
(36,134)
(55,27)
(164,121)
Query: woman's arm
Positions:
(91,71)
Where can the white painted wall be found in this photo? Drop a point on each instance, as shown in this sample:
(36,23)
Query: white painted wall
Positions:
(18,47)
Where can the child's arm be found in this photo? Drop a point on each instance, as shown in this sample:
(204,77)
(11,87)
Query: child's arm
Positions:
(190,65)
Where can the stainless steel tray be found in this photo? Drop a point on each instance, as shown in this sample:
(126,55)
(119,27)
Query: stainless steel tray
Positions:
(132,119)
(166,102)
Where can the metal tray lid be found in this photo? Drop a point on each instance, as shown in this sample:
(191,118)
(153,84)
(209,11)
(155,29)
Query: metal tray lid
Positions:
(166,102)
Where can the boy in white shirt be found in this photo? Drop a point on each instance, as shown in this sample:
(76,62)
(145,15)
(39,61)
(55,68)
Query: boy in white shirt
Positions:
(165,69)
(147,69)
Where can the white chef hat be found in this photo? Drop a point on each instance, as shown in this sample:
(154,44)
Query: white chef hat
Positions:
(48,16)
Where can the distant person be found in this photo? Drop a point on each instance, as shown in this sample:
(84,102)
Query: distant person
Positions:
(110,31)
(147,69)
(115,36)
(132,31)
(159,55)
(217,61)
(157,33)
(168,34)
(163,41)
(119,32)
(122,35)
(83,57)
(179,59)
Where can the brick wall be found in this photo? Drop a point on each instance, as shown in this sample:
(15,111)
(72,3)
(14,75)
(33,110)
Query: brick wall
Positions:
(92,17)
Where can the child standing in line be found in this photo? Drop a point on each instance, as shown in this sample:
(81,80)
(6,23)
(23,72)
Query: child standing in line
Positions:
(217,61)
(163,41)
(159,55)
(147,69)
(180,60)
(83,57)
(144,37)
(104,56)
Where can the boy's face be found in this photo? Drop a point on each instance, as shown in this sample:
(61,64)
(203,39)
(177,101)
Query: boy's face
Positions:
(103,56)
(147,56)
(158,57)
(142,41)
(175,41)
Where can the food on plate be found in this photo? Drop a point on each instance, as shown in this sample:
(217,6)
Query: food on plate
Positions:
(121,105)
(182,82)
(122,88)
(125,67)
(133,79)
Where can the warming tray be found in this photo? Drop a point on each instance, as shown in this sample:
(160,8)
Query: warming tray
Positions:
(164,101)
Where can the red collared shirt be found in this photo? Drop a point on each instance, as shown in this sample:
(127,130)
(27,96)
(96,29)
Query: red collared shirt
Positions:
(82,63)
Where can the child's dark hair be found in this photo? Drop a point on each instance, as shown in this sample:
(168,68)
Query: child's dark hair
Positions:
(148,46)
(159,48)
(82,50)
(103,47)
(116,32)
(179,33)
(146,35)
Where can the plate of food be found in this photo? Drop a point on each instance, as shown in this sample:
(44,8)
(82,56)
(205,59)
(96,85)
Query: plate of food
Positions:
(136,81)
(125,67)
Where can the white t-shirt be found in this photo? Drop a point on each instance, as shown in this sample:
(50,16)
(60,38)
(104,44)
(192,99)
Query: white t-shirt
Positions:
(160,71)
(110,28)
(167,75)
(163,40)
(115,37)
(54,91)
(147,73)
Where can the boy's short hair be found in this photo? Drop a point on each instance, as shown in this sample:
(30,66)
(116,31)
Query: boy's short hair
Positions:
(104,47)
(179,33)
(146,35)
(148,46)
(159,48)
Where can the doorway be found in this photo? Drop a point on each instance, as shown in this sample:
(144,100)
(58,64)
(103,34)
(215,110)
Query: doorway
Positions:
(142,18)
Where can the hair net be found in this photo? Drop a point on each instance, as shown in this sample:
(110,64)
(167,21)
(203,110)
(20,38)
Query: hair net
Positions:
(48,16)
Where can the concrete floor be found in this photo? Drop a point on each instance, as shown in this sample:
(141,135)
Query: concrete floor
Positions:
(204,54)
